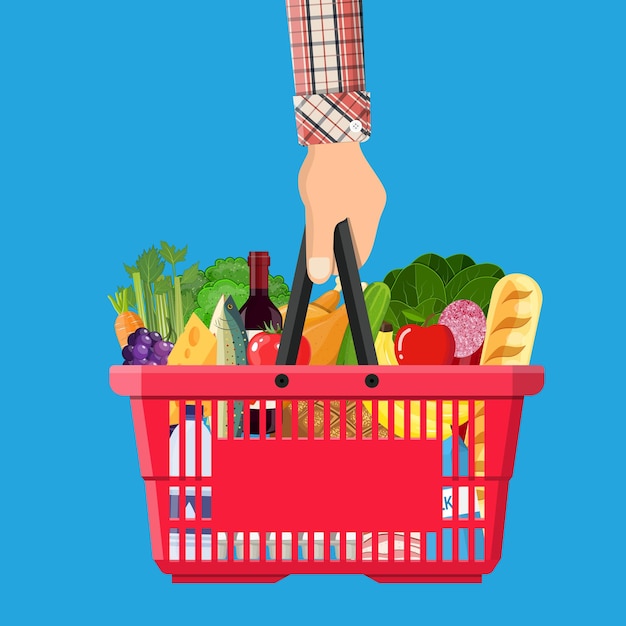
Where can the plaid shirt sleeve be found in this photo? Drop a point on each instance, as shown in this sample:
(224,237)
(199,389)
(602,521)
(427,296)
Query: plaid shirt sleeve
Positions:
(331,104)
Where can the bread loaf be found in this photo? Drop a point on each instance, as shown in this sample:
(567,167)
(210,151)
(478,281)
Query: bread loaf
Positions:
(512,321)
(334,421)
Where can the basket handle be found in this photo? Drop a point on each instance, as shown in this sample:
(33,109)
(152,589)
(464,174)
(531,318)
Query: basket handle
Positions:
(353,297)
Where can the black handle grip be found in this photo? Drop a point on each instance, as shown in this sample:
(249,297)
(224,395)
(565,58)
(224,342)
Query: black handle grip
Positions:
(353,297)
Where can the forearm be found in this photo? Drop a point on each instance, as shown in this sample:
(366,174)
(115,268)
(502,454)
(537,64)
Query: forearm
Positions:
(331,104)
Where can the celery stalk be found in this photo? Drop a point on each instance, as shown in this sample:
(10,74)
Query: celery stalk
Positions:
(161,314)
(172,318)
(174,256)
(150,306)
(179,323)
(141,307)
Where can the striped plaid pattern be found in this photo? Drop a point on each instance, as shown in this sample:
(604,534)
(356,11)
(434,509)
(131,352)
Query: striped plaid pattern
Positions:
(326,39)
(326,118)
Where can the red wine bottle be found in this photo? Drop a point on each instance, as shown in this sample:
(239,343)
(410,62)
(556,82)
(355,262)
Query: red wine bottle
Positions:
(259,313)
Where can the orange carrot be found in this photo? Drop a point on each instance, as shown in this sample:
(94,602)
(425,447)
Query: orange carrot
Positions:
(127,321)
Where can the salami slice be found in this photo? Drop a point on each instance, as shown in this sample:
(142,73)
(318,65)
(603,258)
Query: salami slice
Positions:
(468,324)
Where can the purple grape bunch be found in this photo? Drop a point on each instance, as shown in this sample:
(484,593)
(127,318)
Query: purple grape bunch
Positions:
(146,347)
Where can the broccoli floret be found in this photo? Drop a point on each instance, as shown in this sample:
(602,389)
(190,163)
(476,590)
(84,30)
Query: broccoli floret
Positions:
(278,291)
(209,295)
(235,269)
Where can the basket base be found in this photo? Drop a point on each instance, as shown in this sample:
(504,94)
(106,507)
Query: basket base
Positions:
(234,578)
(379,578)
(391,578)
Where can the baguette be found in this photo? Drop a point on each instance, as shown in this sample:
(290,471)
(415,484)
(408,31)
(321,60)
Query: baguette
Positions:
(512,321)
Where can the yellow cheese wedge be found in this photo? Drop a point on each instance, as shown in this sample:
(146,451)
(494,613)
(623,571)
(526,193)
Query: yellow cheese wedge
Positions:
(196,346)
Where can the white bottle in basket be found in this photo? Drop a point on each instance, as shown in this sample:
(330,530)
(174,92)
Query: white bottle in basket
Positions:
(190,446)
(189,469)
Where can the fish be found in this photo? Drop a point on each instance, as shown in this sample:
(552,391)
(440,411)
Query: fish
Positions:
(232,347)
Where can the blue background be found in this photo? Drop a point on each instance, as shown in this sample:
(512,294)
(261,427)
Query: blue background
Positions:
(498,131)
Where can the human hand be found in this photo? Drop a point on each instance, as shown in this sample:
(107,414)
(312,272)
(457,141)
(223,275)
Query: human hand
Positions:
(336,182)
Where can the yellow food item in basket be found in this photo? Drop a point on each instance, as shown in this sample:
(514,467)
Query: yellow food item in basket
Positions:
(415,420)
(335,416)
(320,307)
(196,346)
(512,321)
(479,452)
(325,335)
(174,412)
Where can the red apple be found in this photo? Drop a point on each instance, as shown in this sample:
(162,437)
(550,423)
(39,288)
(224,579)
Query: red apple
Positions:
(424,345)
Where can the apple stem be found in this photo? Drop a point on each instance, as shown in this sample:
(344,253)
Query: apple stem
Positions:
(427,319)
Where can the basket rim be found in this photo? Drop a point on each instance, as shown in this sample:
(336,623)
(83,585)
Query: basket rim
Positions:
(223,382)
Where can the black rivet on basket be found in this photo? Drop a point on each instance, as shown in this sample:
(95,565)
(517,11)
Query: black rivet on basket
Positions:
(281,380)
(371,380)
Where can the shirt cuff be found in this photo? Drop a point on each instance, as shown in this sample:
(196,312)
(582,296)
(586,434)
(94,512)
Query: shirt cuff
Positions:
(333,117)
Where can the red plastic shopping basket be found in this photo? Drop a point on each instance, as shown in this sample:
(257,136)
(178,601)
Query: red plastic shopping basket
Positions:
(414,507)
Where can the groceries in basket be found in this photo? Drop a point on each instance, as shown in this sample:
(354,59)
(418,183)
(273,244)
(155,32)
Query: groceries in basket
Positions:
(334,419)
(145,347)
(424,288)
(165,303)
(414,409)
(196,346)
(397,548)
(182,499)
(435,311)
(512,321)
(188,465)
(459,501)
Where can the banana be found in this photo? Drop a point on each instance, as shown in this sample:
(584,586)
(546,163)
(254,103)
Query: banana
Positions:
(384,346)
(415,417)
